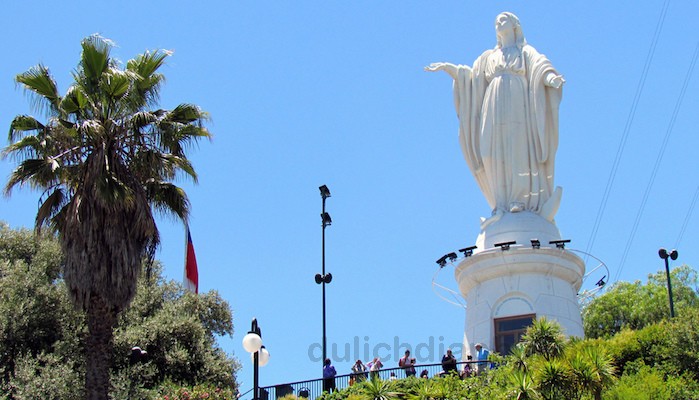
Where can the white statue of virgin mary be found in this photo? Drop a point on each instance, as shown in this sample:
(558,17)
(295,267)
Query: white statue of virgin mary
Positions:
(507,105)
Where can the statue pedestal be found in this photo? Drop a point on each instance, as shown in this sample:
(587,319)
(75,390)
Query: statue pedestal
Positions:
(503,286)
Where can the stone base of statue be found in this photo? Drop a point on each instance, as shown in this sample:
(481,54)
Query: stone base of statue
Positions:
(506,288)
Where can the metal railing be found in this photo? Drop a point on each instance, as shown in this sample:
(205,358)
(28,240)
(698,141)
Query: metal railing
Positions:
(313,388)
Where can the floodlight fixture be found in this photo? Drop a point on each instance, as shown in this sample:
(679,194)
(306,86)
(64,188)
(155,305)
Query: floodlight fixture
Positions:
(324,192)
(505,245)
(601,282)
(536,244)
(468,251)
(325,217)
(561,244)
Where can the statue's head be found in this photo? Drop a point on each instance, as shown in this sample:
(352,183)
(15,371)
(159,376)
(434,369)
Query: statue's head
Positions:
(516,27)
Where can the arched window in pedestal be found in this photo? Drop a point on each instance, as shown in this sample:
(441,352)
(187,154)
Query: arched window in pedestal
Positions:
(509,330)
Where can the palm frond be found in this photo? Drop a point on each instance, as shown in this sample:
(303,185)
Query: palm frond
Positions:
(21,124)
(168,199)
(142,119)
(115,83)
(74,100)
(94,59)
(28,146)
(38,80)
(37,172)
(50,206)
(186,113)
(177,163)
(148,86)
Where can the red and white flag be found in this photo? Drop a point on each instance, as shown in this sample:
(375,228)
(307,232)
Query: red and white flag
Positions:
(191,274)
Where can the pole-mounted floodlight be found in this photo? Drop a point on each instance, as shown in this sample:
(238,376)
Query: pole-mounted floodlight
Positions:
(452,257)
(505,245)
(665,255)
(442,261)
(561,244)
(323,278)
(536,244)
(324,192)
(325,218)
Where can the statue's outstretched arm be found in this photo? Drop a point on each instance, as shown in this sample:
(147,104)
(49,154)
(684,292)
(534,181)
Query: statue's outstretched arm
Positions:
(554,80)
(449,68)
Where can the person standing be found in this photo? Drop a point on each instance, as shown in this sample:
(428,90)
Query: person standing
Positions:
(374,367)
(449,363)
(359,370)
(482,358)
(408,364)
(328,376)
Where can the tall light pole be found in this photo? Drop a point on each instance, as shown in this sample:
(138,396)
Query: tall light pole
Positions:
(665,255)
(324,278)
(252,343)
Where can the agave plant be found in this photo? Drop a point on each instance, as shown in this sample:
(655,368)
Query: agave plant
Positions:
(377,389)
(523,385)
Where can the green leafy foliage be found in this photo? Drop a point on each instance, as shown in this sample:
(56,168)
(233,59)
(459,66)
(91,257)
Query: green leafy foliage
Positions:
(636,305)
(645,382)
(42,335)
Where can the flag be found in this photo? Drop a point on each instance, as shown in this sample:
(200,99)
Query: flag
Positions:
(191,274)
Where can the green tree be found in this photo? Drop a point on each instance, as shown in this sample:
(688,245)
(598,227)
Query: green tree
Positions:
(42,334)
(104,161)
(636,305)
(178,330)
(35,314)
(544,337)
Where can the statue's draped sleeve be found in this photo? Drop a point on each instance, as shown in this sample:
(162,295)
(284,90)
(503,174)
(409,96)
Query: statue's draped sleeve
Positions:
(544,101)
(469,90)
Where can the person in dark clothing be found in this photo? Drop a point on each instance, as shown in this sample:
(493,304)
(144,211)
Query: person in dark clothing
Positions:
(449,363)
(328,376)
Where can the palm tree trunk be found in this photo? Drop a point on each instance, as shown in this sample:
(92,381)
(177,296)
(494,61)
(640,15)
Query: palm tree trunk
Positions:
(101,320)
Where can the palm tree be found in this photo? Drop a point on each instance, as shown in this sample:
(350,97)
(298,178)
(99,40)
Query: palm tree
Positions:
(544,337)
(105,163)
(602,368)
(554,380)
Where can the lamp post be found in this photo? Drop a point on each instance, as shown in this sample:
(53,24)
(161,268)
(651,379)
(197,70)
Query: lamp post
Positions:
(252,343)
(324,278)
(665,255)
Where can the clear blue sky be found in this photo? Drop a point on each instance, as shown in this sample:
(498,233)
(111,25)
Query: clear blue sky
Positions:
(308,93)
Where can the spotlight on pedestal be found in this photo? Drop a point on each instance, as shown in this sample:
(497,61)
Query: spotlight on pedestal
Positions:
(442,261)
(505,245)
(452,257)
(561,244)
(468,251)
(536,244)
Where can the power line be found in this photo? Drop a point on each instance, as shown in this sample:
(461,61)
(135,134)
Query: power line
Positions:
(686,218)
(659,158)
(627,127)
